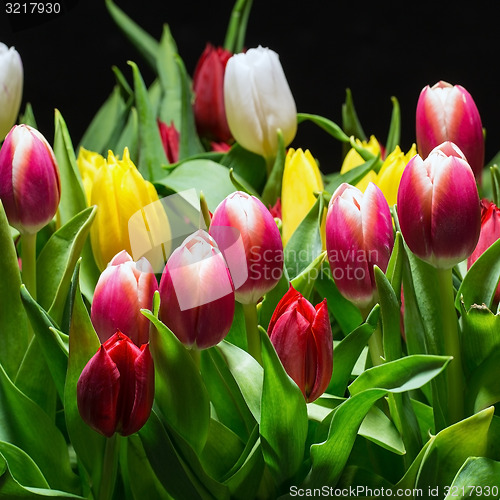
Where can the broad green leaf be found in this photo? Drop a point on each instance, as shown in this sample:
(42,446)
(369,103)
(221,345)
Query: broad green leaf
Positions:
(107,124)
(142,40)
(247,373)
(480,282)
(304,282)
(483,389)
(377,427)
(202,175)
(57,260)
(404,374)
(479,477)
(151,152)
(180,391)
(15,337)
(283,424)
(27,426)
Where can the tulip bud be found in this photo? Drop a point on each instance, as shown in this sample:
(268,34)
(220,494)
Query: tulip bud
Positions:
(208,87)
(301,179)
(170,140)
(490,232)
(115,390)
(30,187)
(359,235)
(302,337)
(119,191)
(438,207)
(11,88)
(253,251)
(123,289)
(448,112)
(196,292)
(259,101)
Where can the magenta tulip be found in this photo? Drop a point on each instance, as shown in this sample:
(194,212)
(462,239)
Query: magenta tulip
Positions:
(302,337)
(30,187)
(115,390)
(123,289)
(197,293)
(448,113)
(253,249)
(359,235)
(438,207)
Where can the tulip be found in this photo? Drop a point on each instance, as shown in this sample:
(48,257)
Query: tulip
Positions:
(253,250)
(390,173)
(11,87)
(197,293)
(119,191)
(259,102)
(301,179)
(490,232)
(448,112)
(354,159)
(115,390)
(30,187)
(123,289)
(359,235)
(208,87)
(302,337)
(170,140)
(438,207)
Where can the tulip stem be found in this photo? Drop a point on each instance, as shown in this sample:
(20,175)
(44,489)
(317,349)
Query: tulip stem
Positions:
(454,373)
(252,328)
(28,262)
(109,468)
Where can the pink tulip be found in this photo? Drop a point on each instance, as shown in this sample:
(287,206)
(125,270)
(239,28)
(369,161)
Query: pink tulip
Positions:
(123,289)
(115,390)
(253,249)
(438,207)
(196,292)
(302,337)
(359,235)
(449,113)
(30,187)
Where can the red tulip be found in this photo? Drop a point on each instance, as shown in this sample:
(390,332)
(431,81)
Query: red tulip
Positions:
(208,87)
(438,207)
(448,112)
(302,337)
(123,289)
(196,292)
(170,140)
(115,390)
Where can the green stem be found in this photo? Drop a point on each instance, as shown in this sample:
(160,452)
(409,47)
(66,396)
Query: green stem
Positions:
(454,373)
(28,262)
(252,328)
(109,468)
(235,34)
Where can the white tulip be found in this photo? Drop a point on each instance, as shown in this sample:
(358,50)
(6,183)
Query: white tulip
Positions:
(258,101)
(11,88)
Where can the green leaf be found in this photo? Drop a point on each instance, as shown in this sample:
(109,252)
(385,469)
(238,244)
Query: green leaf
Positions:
(405,374)
(483,389)
(57,260)
(480,282)
(142,40)
(151,152)
(479,477)
(107,125)
(202,175)
(28,117)
(352,176)
(379,429)
(15,337)
(327,125)
(267,306)
(283,424)
(234,41)
(179,389)
(129,137)
(394,135)
(350,120)
(272,188)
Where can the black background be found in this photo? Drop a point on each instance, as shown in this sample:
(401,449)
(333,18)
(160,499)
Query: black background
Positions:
(377,50)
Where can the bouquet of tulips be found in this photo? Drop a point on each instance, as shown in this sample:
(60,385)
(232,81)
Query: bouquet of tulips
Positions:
(191,309)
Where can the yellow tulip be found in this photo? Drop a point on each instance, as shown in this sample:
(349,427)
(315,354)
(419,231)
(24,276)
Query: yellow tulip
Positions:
(391,171)
(353,159)
(129,215)
(301,179)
